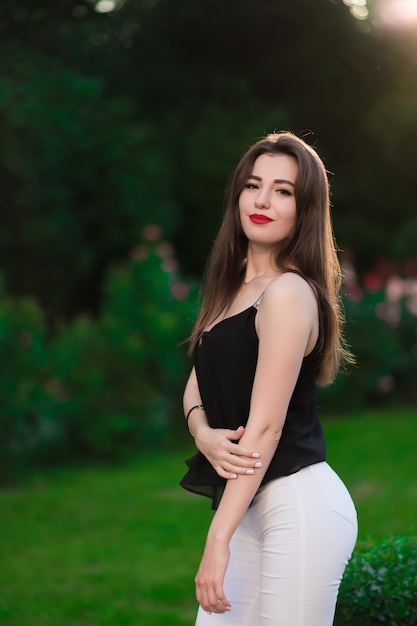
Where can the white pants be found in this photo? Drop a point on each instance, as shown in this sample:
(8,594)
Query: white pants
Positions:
(289,553)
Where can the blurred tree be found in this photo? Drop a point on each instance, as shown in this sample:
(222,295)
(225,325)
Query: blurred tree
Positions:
(78,177)
(245,68)
(209,149)
(146,108)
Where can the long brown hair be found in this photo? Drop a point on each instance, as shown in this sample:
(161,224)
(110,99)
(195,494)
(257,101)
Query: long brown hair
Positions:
(309,250)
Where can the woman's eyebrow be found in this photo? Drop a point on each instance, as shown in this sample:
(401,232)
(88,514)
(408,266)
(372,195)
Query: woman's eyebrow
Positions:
(277,180)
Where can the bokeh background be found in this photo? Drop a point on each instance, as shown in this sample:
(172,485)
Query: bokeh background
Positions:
(120,124)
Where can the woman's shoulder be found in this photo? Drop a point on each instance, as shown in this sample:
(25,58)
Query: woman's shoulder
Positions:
(289,285)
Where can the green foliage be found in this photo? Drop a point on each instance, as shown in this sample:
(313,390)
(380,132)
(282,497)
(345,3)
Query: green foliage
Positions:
(380,585)
(121,376)
(27,421)
(103,388)
(110,121)
(78,172)
(381,328)
(99,388)
(108,118)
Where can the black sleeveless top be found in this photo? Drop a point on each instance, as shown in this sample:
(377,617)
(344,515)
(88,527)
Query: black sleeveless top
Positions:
(225,365)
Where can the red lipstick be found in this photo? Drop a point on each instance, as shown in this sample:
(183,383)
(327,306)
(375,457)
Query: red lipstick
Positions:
(256,218)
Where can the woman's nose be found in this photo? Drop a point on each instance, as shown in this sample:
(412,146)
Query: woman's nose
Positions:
(262,200)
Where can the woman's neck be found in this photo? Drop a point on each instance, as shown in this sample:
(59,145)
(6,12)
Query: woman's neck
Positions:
(259,265)
(251,277)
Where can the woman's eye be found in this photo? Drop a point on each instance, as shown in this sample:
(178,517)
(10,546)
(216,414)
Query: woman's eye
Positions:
(251,186)
(284,192)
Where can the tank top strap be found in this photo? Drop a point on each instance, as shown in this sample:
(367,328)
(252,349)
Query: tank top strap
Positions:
(258,301)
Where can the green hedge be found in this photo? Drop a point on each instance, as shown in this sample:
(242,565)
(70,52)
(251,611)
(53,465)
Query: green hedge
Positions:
(98,388)
(104,387)
(121,376)
(380,585)
(381,328)
(26,411)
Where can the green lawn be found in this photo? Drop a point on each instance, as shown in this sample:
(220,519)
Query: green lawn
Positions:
(120,546)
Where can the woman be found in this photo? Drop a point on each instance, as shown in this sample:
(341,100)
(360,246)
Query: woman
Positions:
(268,331)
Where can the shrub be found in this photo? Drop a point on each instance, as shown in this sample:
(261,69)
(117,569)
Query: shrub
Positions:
(120,377)
(98,388)
(28,424)
(62,125)
(106,387)
(380,585)
(381,328)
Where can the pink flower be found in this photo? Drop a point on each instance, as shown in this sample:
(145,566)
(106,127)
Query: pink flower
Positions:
(139,253)
(372,282)
(164,249)
(180,290)
(353,292)
(152,232)
(395,289)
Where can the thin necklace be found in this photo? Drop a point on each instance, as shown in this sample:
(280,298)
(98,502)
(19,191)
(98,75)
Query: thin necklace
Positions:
(259,276)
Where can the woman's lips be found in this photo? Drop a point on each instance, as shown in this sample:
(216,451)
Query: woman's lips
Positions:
(259,219)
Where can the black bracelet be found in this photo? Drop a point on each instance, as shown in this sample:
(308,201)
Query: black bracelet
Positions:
(197,406)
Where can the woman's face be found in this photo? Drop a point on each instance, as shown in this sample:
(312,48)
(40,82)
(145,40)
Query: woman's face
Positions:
(267,203)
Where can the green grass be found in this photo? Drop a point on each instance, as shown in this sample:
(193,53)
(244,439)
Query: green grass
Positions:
(120,546)
(375,454)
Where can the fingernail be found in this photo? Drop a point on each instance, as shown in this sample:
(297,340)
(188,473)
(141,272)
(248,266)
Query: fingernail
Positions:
(233,475)
(250,471)
(259,464)
(256,455)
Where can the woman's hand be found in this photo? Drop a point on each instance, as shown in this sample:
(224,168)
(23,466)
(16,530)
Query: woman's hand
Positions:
(228,459)
(210,577)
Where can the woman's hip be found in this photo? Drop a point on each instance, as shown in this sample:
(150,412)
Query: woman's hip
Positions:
(315,493)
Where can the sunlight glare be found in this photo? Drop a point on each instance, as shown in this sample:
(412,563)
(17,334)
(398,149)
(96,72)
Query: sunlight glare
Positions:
(398,12)
(358,8)
(360,12)
(355,3)
(105,6)
(385,13)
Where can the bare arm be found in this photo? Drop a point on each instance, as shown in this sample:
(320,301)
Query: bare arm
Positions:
(228,459)
(284,339)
